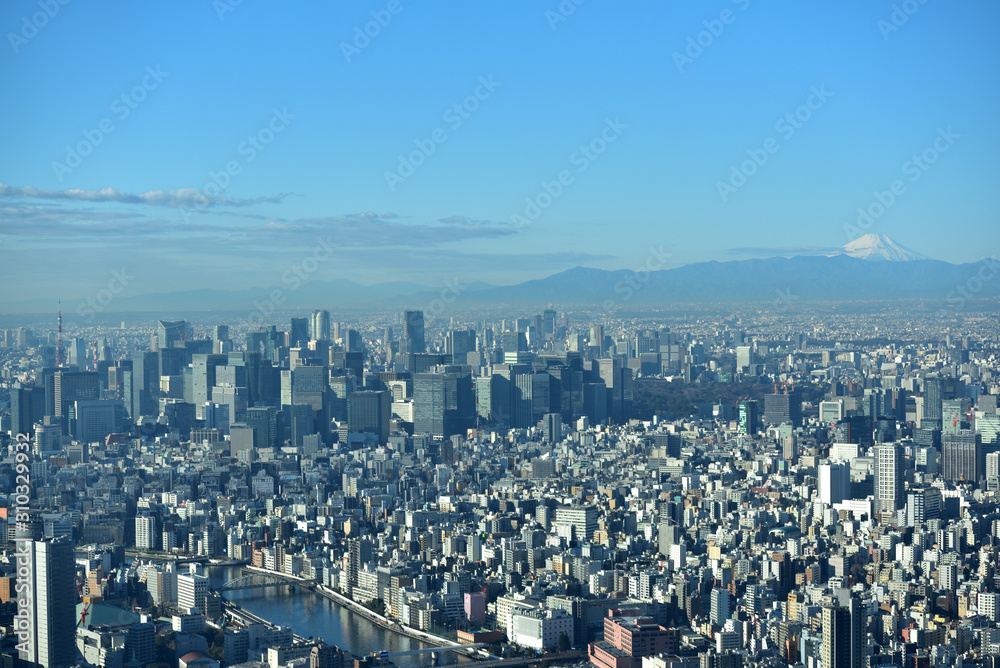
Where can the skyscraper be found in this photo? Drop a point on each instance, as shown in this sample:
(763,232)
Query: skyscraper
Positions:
(51,603)
(298,334)
(369,412)
(413,332)
(168,333)
(319,326)
(843,636)
(961,453)
(888,477)
(834,482)
(748,417)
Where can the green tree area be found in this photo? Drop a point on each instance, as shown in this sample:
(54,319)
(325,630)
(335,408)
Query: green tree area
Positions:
(655,396)
(376,605)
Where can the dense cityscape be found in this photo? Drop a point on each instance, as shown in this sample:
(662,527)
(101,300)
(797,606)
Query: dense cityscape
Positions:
(718,487)
(555,334)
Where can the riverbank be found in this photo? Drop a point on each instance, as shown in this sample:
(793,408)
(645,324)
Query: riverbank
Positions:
(370,615)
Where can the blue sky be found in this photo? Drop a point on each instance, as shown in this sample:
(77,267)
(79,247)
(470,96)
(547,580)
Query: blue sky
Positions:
(333,114)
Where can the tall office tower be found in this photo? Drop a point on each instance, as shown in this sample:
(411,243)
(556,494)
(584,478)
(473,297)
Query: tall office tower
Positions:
(27,406)
(834,482)
(264,422)
(353,343)
(744,357)
(298,334)
(747,417)
(458,345)
(51,603)
(888,477)
(844,637)
(413,332)
(933,391)
(955,415)
(171,333)
(369,412)
(203,378)
(961,453)
(484,397)
(220,339)
(610,371)
(513,343)
(145,384)
(443,401)
(78,352)
(548,323)
(319,325)
(779,408)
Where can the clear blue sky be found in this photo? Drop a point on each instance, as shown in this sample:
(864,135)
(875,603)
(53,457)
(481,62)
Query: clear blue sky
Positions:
(136,200)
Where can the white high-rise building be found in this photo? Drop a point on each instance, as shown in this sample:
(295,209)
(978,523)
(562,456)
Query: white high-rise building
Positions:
(834,482)
(888,477)
(192,591)
(145,532)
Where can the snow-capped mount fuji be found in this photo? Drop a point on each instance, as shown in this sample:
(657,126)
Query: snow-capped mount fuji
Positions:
(880,248)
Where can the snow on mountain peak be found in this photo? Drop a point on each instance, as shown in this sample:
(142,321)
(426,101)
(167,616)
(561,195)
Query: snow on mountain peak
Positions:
(880,248)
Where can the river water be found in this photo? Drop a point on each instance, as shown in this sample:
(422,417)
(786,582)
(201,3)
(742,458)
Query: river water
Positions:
(312,615)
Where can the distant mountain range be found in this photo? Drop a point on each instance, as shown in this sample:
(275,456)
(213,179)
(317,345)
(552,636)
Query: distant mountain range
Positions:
(871,267)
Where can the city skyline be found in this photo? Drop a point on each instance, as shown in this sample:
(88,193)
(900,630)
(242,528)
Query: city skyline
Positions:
(224,164)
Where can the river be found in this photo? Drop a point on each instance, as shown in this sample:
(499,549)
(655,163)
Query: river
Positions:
(312,615)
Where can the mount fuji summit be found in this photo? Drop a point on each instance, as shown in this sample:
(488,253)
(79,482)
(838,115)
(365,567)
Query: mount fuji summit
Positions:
(880,248)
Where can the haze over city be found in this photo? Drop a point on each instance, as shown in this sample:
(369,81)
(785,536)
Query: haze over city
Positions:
(396,334)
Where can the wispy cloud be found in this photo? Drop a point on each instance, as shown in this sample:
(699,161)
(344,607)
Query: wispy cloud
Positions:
(772,251)
(176,198)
